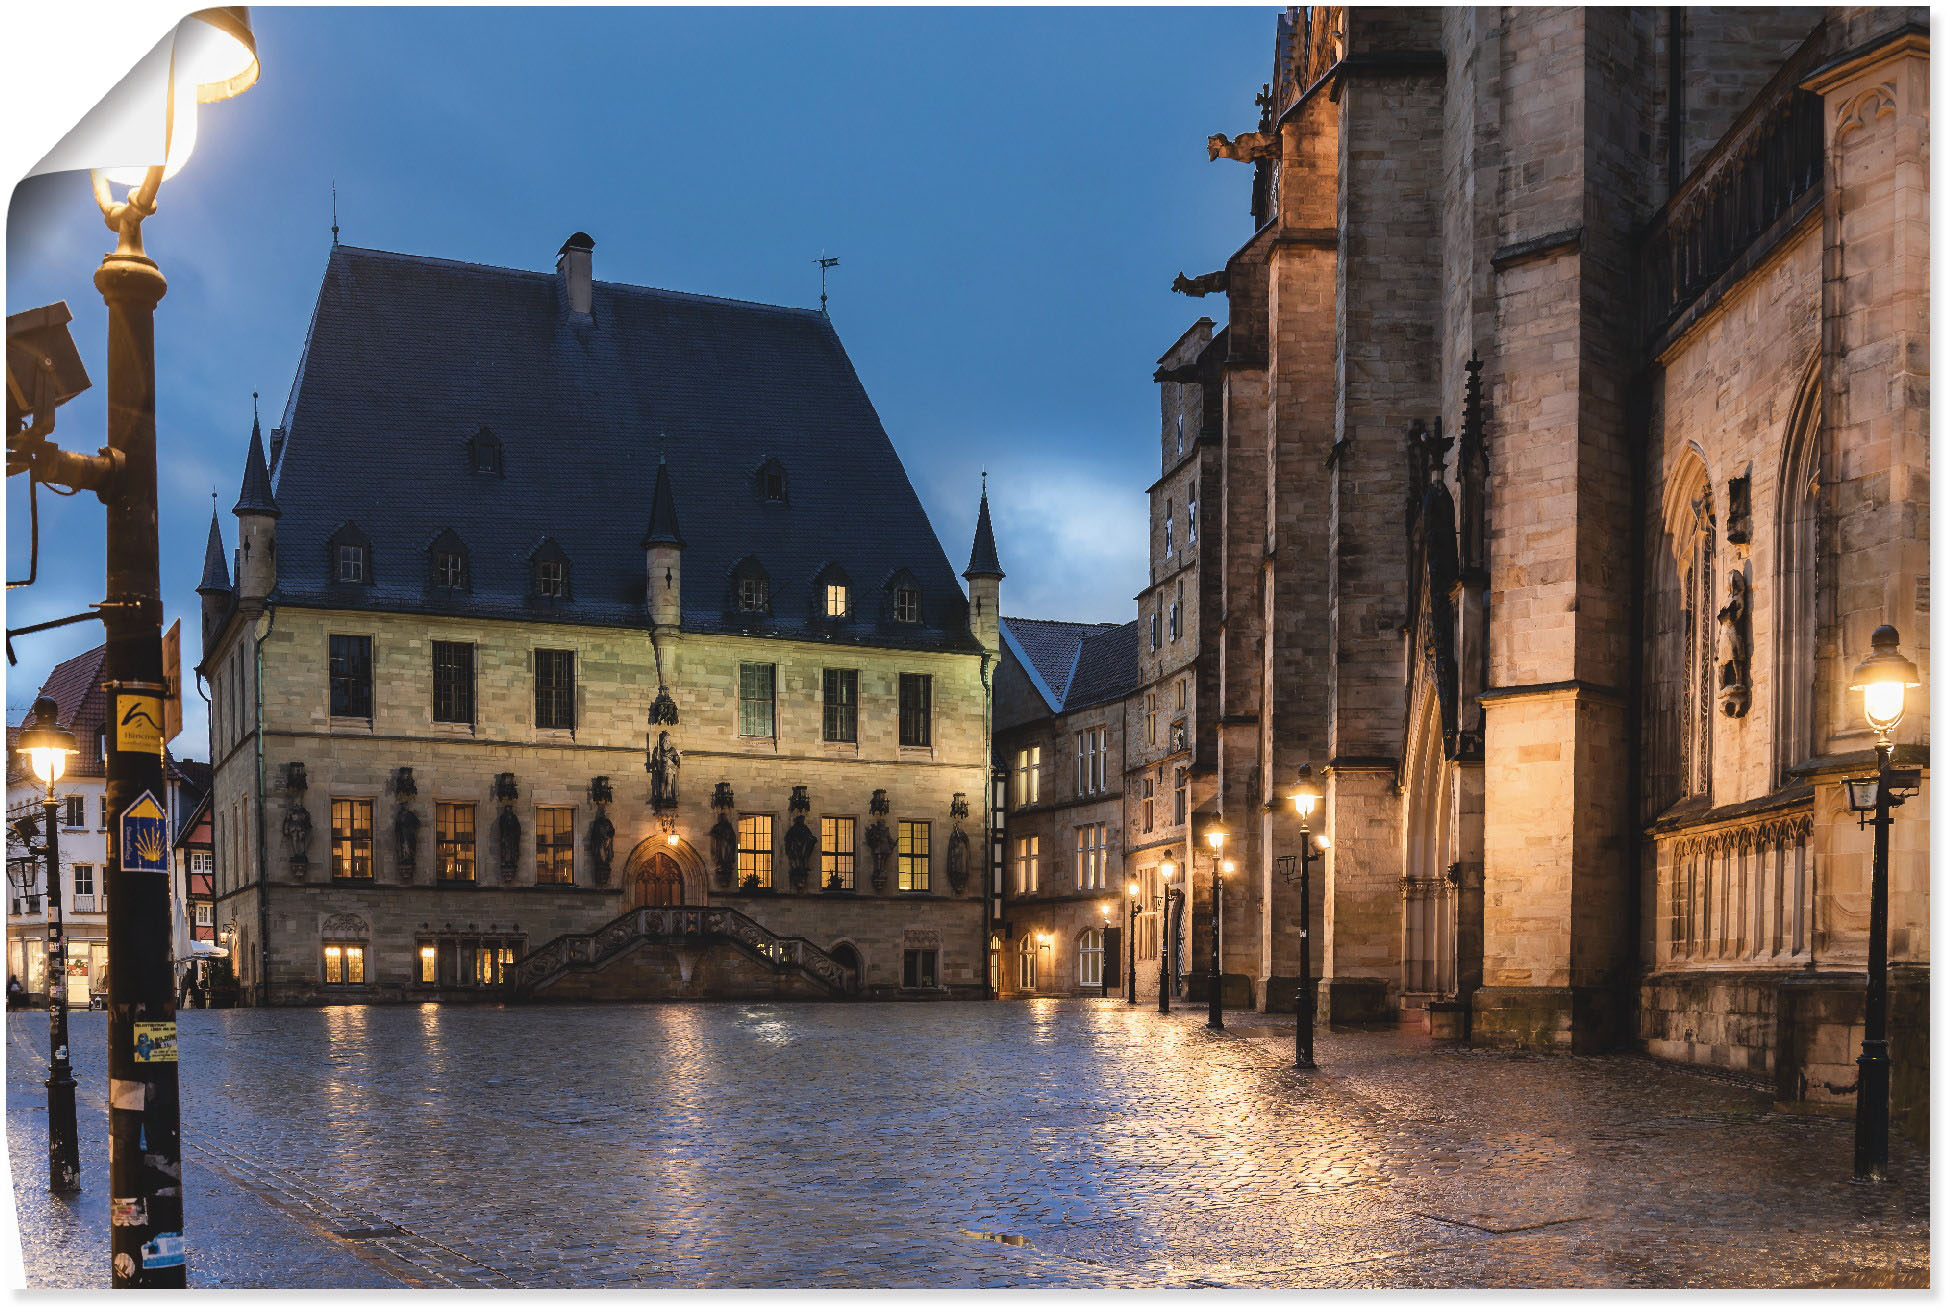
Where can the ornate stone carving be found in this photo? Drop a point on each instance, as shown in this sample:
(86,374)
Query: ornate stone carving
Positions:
(959,860)
(1734,626)
(505,789)
(405,840)
(294,777)
(345,925)
(1203,284)
(600,791)
(663,709)
(1875,102)
(665,765)
(879,805)
(600,842)
(723,799)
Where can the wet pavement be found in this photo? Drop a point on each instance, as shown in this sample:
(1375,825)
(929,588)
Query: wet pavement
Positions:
(1071,1142)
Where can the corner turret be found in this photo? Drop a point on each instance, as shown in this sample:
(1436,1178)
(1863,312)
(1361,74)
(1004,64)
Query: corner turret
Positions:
(215,587)
(256,512)
(983,575)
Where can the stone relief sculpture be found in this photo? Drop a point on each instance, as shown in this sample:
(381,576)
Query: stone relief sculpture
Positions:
(1734,634)
(665,764)
(663,709)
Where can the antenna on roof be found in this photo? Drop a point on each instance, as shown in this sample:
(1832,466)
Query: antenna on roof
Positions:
(334,211)
(825,264)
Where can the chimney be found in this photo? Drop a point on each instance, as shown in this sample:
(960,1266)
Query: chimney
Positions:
(576,269)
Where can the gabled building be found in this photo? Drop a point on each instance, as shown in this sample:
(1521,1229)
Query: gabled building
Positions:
(556,601)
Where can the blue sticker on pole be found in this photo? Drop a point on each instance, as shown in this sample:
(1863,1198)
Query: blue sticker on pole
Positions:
(145,837)
(166,1249)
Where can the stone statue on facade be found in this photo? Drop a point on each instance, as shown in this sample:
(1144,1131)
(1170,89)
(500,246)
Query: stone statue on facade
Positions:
(800,850)
(1734,637)
(959,857)
(878,841)
(665,764)
(405,840)
(297,832)
(723,850)
(601,847)
(508,830)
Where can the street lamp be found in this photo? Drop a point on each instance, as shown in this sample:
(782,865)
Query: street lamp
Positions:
(46,745)
(1305,799)
(1135,895)
(212,56)
(1215,836)
(1167,868)
(1881,680)
(1102,969)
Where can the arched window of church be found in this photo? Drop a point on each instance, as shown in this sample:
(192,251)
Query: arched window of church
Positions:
(1696,569)
(1797,591)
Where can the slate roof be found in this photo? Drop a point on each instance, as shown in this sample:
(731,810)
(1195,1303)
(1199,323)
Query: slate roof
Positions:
(75,686)
(985,562)
(216,571)
(1074,665)
(256,495)
(409,357)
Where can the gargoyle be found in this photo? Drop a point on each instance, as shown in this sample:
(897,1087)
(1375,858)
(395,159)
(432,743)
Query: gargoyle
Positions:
(1202,284)
(1250,147)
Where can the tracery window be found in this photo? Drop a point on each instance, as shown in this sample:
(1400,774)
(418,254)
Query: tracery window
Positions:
(1696,568)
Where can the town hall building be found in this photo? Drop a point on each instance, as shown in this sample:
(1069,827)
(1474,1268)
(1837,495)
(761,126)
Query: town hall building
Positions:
(583,641)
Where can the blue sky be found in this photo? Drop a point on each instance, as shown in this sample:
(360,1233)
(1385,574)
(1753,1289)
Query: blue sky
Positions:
(1009,192)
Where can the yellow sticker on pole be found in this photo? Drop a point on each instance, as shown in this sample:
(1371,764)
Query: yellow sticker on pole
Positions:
(155,1040)
(138,723)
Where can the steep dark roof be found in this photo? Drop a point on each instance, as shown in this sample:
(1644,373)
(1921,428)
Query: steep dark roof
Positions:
(256,494)
(75,686)
(216,571)
(1105,668)
(1074,665)
(662,512)
(408,357)
(985,561)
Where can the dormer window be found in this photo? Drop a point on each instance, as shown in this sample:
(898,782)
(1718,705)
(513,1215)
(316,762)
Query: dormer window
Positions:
(750,588)
(905,604)
(549,571)
(449,562)
(770,482)
(838,601)
(831,594)
(348,553)
(483,453)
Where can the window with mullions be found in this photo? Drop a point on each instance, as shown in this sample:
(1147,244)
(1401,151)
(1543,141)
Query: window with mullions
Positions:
(1027,864)
(1027,776)
(838,850)
(454,824)
(74,812)
(351,838)
(922,968)
(915,710)
(915,856)
(554,844)
(344,963)
(905,605)
(1149,804)
(351,676)
(841,706)
(1089,948)
(754,851)
(1180,802)
(554,689)
(453,682)
(838,601)
(757,701)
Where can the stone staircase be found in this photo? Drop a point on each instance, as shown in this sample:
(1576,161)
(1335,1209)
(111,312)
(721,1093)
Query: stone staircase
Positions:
(678,927)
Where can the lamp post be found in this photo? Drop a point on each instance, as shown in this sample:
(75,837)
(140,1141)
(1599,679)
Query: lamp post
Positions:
(1135,894)
(1215,836)
(1882,680)
(46,745)
(1102,970)
(1305,799)
(1168,870)
(213,56)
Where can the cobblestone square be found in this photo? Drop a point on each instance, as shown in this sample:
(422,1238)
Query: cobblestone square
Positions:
(1067,1143)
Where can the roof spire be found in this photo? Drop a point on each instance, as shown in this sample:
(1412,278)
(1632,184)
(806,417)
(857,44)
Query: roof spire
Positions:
(662,512)
(334,211)
(985,561)
(216,571)
(256,496)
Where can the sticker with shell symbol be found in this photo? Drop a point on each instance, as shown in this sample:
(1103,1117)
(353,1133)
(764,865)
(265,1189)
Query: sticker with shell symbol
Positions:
(145,837)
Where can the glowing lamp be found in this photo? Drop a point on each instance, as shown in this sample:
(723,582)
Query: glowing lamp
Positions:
(44,743)
(1215,836)
(1882,680)
(1168,867)
(1308,795)
(1323,842)
(1135,889)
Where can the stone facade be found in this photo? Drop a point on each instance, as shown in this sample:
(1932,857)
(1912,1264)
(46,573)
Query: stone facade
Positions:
(1571,445)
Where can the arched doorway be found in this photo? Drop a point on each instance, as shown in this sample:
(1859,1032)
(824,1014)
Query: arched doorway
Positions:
(846,955)
(656,882)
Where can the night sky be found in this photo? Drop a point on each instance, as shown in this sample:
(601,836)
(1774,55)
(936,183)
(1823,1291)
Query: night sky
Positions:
(1009,193)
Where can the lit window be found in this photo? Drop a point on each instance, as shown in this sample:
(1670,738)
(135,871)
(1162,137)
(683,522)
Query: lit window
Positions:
(1027,959)
(351,838)
(838,601)
(1027,776)
(905,605)
(1089,946)
(454,823)
(757,701)
(915,856)
(839,848)
(344,963)
(428,963)
(754,854)
(1027,864)
(554,844)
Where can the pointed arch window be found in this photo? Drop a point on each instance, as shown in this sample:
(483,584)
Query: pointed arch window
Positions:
(750,588)
(450,563)
(549,575)
(348,555)
(484,454)
(1797,589)
(1688,639)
